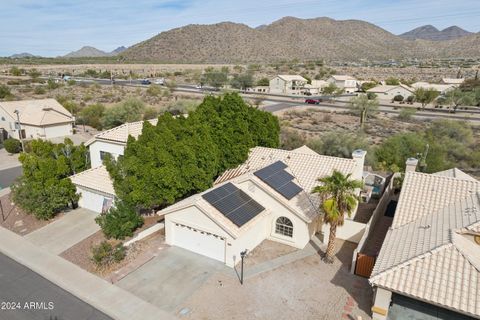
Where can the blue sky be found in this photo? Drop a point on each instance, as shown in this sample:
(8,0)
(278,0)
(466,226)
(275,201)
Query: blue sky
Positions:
(56,27)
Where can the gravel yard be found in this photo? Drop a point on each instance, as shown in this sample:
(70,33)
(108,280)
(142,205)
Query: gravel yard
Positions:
(15,219)
(305,289)
(267,250)
(81,253)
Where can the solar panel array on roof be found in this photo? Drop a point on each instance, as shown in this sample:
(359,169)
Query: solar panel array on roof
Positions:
(280,180)
(233,203)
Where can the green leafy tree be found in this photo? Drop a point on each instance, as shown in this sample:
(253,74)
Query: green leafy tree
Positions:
(330,89)
(92,115)
(15,71)
(338,193)
(215,79)
(242,81)
(4,91)
(44,189)
(392,81)
(425,96)
(120,221)
(12,145)
(364,107)
(457,98)
(406,114)
(264,82)
(34,73)
(368,85)
(127,111)
(150,113)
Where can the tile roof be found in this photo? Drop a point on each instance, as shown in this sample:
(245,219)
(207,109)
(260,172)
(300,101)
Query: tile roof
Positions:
(120,134)
(386,88)
(41,112)
(342,77)
(97,179)
(455,173)
(425,193)
(288,77)
(424,255)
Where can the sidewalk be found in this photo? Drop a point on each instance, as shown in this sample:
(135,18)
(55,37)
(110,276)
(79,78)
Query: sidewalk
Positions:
(67,231)
(112,300)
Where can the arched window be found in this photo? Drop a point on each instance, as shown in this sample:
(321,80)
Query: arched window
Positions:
(284,227)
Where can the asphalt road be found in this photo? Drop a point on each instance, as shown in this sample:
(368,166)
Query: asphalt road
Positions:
(36,298)
(7,176)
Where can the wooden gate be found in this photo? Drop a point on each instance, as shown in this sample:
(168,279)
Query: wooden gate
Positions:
(364,265)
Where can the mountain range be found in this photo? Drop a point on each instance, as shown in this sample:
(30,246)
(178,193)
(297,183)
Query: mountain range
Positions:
(429,32)
(292,38)
(88,51)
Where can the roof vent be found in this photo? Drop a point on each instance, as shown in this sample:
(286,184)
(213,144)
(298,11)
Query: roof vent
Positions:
(425,227)
(470,210)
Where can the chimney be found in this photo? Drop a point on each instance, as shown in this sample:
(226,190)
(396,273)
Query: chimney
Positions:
(359,157)
(411,165)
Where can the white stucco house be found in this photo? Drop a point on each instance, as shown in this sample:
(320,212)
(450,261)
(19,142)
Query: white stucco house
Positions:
(287,84)
(441,88)
(95,185)
(429,262)
(39,119)
(345,82)
(454,81)
(267,197)
(388,92)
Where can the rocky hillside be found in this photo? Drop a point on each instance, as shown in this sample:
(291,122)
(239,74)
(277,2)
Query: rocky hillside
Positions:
(287,39)
(88,51)
(431,33)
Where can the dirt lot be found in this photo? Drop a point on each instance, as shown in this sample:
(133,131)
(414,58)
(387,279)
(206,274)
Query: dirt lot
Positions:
(17,220)
(81,253)
(312,123)
(305,289)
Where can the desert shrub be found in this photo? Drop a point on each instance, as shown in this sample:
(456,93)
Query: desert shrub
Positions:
(34,73)
(150,113)
(71,82)
(127,111)
(15,71)
(263,82)
(12,145)
(371,95)
(406,114)
(51,84)
(120,221)
(106,254)
(4,91)
(154,90)
(398,98)
(92,115)
(39,90)
(290,139)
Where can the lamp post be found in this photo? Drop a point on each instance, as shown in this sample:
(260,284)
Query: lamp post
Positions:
(242,255)
(19,129)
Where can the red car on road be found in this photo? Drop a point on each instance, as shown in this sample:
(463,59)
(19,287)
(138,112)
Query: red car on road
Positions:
(312,101)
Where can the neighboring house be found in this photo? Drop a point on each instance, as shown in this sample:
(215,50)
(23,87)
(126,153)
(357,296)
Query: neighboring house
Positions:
(429,263)
(94,185)
(267,197)
(388,92)
(287,84)
(259,89)
(39,119)
(454,81)
(441,88)
(347,83)
(315,88)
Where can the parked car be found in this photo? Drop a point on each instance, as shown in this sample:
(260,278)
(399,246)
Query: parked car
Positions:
(146,82)
(313,101)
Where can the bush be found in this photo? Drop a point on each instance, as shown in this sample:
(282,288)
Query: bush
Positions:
(150,113)
(154,90)
(371,95)
(398,98)
(406,114)
(39,90)
(120,221)
(92,115)
(51,84)
(128,111)
(4,91)
(106,254)
(12,145)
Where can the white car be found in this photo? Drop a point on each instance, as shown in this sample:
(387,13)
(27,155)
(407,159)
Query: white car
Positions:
(160,81)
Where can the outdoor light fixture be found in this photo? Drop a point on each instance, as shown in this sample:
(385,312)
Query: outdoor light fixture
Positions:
(243,254)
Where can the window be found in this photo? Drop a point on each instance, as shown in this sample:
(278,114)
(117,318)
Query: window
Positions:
(284,227)
(103,154)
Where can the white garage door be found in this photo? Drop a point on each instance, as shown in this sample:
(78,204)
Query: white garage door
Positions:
(93,201)
(200,242)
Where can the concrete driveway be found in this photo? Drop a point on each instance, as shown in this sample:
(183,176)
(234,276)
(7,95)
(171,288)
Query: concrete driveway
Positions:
(60,235)
(170,278)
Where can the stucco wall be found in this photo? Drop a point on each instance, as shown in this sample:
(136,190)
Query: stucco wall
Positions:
(114,149)
(277,85)
(58,131)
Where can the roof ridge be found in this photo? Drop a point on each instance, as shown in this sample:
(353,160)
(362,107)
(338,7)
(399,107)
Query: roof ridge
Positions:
(305,154)
(440,176)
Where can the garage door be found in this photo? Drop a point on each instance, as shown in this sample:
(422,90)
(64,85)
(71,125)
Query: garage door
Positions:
(200,242)
(93,201)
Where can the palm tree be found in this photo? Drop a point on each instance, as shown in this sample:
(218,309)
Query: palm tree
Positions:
(337,193)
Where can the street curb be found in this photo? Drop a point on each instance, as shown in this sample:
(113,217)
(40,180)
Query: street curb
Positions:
(107,298)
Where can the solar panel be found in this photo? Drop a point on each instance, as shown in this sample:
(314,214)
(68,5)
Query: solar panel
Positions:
(280,180)
(233,203)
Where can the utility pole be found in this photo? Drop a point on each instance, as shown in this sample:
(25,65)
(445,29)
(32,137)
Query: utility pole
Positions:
(19,129)
(242,255)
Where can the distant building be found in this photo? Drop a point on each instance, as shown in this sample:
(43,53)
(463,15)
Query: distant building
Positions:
(388,92)
(259,89)
(315,87)
(39,119)
(287,84)
(347,83)
(441,88)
